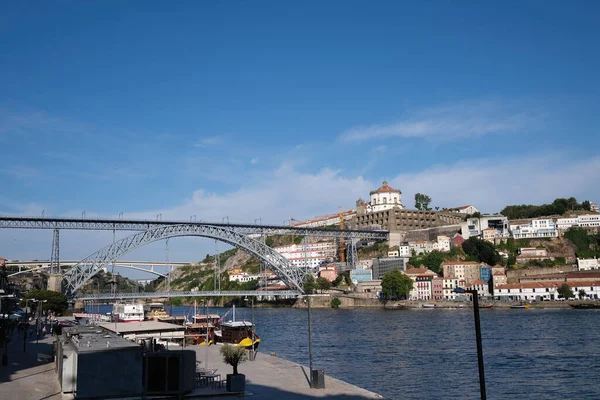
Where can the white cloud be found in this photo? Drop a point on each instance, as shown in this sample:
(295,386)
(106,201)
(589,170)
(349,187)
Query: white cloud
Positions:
(491,185)
(254,161)
(454,121)
(288,192)
(209,141)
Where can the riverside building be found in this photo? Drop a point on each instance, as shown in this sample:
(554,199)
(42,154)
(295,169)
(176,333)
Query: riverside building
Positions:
(309,255)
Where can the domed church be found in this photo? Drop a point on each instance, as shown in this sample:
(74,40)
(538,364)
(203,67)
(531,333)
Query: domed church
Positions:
(384,198)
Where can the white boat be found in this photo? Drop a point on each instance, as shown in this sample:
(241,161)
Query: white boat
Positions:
(128,312)
(428,305)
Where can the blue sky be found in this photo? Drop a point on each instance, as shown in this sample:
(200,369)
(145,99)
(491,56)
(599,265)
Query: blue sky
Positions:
(283,109)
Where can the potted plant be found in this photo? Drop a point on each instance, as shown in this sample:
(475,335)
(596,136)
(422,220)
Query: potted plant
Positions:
(234,355)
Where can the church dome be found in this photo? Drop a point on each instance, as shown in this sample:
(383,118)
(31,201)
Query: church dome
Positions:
(385,189)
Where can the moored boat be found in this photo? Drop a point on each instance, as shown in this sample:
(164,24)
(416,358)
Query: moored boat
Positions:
(241,333)
(155,311)
(486,305)
(586,306)
(520,306)
(428,305)
(128,312)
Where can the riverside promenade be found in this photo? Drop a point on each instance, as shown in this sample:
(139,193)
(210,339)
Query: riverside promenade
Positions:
(30,375)
(272,378)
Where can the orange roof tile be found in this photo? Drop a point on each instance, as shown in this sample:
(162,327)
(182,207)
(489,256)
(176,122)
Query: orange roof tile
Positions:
(384,189)
(460,263)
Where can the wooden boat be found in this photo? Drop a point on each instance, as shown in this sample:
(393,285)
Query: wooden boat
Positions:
(521,306)
(235,332)
(586,306)
(486,305)
(155,311)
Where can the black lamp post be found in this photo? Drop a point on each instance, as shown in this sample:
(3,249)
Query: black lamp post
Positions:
(477,337)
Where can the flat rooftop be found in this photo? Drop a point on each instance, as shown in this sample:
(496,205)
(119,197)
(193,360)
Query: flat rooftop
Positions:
(141,327)
(93,339)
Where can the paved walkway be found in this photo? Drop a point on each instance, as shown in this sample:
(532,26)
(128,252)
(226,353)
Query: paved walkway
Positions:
(29,374)
(269,377)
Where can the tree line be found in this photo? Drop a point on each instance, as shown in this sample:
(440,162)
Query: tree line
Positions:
(557,207)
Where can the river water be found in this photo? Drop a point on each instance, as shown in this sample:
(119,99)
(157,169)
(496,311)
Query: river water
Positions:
(431,354)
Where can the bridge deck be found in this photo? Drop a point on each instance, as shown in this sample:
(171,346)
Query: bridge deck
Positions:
(214,293)
(142,225)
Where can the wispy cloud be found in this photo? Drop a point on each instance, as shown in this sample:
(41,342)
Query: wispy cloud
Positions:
(454,121)
(289,192)
(210,141)
(33,122)
(19,171)
(254,161)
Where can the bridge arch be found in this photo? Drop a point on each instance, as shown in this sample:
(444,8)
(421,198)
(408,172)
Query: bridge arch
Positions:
(81,272)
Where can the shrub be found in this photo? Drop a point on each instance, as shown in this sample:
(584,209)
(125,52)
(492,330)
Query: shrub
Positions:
(335,303)
(233,355)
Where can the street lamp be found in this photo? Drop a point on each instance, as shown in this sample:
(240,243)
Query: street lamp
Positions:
(310,358)
(475,296)
(225,218)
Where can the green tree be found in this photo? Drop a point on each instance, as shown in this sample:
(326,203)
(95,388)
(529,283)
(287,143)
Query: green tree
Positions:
(395,285)
(586,205)
(335,303)
(422,201)
(323,284)
(176,301)
(482,251)
(565,291)
(579,237)
(309,285)
(582,294)
(434,260)
(55,301)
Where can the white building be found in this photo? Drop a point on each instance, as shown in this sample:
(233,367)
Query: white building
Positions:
(537,228)
(527,291)
(594,207)
(381,199)
(586,264)
(426,246)
(243,277)
(583,221)
(449,285)
(310,255)
(475,226)
(545,290)
(422,283)
(325,220)
(464,210)
(483,289)
(592,220)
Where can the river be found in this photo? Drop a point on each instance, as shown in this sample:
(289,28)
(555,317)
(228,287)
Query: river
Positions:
(431,354)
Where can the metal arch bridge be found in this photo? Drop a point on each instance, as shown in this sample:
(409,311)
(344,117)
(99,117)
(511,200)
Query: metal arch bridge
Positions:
(143,225)
(80,273)
(214,293)
(117,265)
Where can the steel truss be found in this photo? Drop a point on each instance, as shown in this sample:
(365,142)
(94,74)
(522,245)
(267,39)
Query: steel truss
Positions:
(89,266)
(214,293)
(142,225)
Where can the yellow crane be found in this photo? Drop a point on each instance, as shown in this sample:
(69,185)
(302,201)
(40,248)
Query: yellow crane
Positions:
(342,246)
(292,222)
